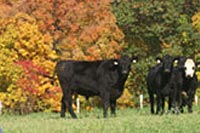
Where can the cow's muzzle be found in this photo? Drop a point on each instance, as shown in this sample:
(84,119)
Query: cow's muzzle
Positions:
(189,76)
(124,72)
(167,70)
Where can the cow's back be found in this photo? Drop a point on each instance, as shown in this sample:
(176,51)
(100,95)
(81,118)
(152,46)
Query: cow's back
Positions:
(86,68)
(69,68)
(64,69)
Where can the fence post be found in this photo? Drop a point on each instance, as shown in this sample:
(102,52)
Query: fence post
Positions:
(77,105)
(196,100)
(141,101)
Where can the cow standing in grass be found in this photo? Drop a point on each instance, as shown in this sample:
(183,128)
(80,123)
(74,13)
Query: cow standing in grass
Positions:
(104,78)
(157,79)
(183,84)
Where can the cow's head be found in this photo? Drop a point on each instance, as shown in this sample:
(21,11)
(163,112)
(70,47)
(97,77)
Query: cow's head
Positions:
(188,65)
(124,63)
(189,68)
(167,62)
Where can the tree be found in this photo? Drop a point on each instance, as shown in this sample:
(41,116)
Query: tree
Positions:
(26,56)
(153,28)
(34,29)
(80,29)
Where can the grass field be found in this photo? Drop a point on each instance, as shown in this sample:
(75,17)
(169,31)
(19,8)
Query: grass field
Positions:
(127,121)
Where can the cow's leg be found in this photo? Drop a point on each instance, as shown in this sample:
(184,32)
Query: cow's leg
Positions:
(163,104)
(179,102)
(63,107)
(182,104)
(191,93)
(158,99)
(152,104)
(105,100)
(189,103)
(66,99)
(151,100)
(112,107)
(174,102)
(68,102)
(169,104)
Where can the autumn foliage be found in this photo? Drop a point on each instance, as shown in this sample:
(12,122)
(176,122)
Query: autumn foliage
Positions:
(34,34)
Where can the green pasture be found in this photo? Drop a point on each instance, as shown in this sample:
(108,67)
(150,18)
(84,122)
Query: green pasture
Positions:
(126,121)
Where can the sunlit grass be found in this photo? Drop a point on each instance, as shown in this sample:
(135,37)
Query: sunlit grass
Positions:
(127,121)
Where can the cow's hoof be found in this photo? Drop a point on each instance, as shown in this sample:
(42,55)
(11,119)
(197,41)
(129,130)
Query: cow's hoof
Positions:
(190,110)
(74,116)
(181,110)
(162,112)
(177,112)
(113,115)
(62,115)
(168,111)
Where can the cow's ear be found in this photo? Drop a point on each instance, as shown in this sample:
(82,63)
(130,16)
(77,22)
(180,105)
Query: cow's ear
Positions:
(175,61)
(115,63)
(134,59)
(197,64)
(158,60)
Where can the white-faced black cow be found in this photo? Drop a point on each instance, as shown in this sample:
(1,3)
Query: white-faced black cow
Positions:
(104,78)
(183,84)
(157,78)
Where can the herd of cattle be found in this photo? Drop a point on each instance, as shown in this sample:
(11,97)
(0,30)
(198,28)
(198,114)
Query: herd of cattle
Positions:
(172,77)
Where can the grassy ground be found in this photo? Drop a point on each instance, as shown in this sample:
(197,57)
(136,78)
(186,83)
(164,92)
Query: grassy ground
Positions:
(127,121)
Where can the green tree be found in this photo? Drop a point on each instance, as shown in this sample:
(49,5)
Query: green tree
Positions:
(153,28)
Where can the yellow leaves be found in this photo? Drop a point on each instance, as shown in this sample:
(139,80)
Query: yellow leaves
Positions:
(184,34)
(21,39)
(23,52)
(198,75)
(2,96)
(196,21)
(23,17)
(26,38)
(53,55)
(126,100)
(44,87)
(9,71)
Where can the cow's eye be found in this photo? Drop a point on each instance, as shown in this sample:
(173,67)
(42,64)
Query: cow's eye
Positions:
(193,68)
(185,68)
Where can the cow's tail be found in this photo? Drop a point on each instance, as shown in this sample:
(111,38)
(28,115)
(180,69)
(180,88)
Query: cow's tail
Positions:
(52,78)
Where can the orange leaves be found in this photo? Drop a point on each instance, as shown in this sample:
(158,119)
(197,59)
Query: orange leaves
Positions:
(80,30)
(74,27)
(97,31)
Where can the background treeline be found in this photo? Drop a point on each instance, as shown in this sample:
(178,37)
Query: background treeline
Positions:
(34,34)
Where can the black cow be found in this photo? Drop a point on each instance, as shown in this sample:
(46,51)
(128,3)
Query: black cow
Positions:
(183,84)
(104,78)
(157,78)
